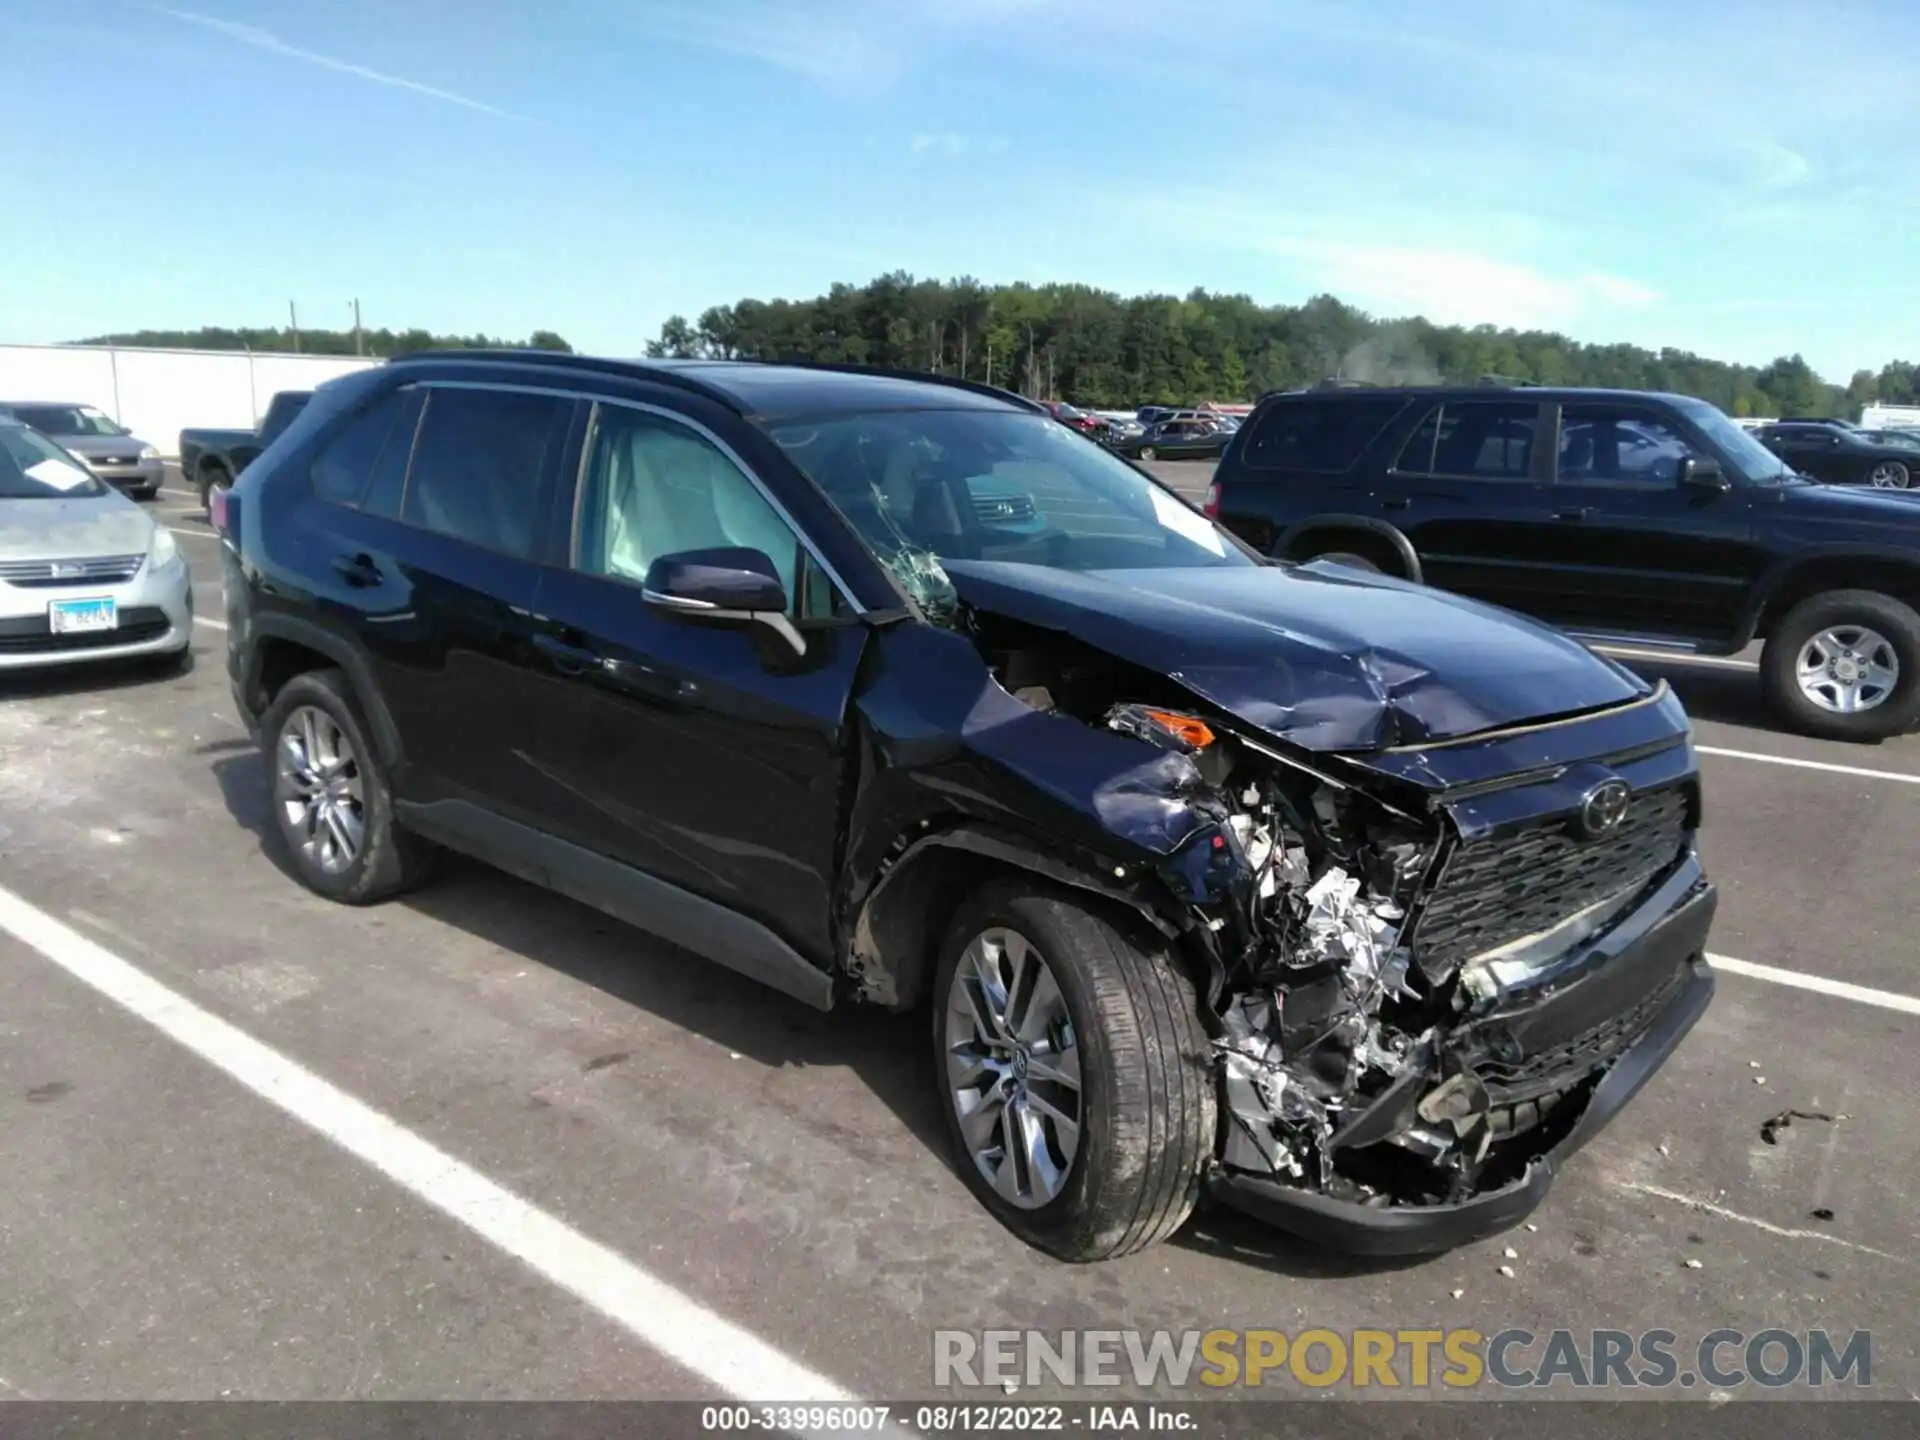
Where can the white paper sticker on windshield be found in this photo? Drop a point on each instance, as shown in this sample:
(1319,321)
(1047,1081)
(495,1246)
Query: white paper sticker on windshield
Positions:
(58,474)
(1182,521)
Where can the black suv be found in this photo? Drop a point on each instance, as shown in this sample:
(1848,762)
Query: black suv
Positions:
(1360,905)
(1616,515)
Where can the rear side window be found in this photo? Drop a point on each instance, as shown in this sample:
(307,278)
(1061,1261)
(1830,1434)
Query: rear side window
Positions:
(345,462)
(1482,440)
(382,495)
(477,466)
(1325,435)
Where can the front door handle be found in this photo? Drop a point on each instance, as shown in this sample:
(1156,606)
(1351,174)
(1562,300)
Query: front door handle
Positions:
(1584,512)
(567,658)
(358,571)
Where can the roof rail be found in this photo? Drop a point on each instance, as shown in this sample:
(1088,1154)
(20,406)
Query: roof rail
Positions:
(1508,382)
(892,372)
(1336,382)
(590,364)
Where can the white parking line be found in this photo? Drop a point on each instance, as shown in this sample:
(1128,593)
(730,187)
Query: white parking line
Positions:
(735,1360)
(1677,657)
(196,534)
(1901,776)
(210,624)
(1819,984)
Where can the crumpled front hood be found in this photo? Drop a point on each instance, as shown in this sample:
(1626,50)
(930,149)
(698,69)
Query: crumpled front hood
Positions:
(77,529)
(1328,658)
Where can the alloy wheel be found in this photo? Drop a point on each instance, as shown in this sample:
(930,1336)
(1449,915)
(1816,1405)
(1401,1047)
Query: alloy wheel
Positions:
(1889,475)
(1847,669)
(319,789)
(1013,1068)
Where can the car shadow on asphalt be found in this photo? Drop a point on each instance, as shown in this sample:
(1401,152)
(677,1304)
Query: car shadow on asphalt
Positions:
(887,1053)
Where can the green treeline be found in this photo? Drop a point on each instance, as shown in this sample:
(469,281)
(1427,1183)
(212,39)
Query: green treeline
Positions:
(1096,348)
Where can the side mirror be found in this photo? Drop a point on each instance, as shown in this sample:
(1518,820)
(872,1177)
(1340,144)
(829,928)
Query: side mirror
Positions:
(731,586)
(1704,475)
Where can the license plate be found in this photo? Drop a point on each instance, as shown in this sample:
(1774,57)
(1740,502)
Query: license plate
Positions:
(76,617)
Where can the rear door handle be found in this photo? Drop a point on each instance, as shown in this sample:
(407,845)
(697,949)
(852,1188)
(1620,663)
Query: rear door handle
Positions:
(1576,515)
(357,570)
(568,659)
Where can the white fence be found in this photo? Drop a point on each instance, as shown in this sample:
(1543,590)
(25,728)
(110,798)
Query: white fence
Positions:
(158,393)
(1880,417)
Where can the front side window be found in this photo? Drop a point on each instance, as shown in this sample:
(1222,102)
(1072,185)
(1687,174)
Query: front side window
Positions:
(1475,439)
(478,463)
(926,486)
(68,420)
(655,486)
(34,468)
(1604,444)
(1327,436)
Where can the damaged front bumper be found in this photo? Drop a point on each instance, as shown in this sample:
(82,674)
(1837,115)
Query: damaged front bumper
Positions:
(1658,951)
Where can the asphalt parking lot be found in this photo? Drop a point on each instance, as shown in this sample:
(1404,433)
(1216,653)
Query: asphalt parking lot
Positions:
(712,1181)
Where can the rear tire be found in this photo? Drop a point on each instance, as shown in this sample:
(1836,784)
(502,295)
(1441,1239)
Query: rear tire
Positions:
(318,750)
(1806,693)
(1145,1105)
(213,477)
(1890,475)
(1147,452)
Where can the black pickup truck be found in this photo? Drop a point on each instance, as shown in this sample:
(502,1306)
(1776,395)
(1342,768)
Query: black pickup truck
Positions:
(210,459)
(1622,516)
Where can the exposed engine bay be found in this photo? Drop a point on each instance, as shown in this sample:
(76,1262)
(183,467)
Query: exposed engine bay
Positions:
(1345,1064)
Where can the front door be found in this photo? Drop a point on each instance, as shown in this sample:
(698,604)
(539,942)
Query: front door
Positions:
(695,754)
(1632,550)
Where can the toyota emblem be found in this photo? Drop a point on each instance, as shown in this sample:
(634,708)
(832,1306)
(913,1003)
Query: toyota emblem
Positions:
(1603,808)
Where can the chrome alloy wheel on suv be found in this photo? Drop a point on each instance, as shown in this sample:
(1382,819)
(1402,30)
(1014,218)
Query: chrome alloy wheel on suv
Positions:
(1013,1068)
(317,786)
(1848,668)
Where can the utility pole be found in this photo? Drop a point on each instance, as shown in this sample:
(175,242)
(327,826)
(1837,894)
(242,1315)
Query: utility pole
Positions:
(989,362)
(1029,379)
(1050,372)
(357,348)
(293,322)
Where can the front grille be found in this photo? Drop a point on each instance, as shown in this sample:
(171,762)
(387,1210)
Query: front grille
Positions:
(1502,889)
(26,634)
(99,460)
(98,570)
(1000,508)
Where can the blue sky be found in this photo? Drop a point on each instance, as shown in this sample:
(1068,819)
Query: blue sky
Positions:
(1730,176)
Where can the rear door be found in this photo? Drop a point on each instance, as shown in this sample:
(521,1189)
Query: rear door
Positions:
(436,552)
(1630,549)
(1468,487)
(694,753)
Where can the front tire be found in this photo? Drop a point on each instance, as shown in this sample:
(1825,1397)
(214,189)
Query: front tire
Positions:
(1076,1077)
(331,802)
(1147,452)
(1845,666)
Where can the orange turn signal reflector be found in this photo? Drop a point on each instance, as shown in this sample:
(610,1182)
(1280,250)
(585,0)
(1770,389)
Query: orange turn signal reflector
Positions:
(1194,732)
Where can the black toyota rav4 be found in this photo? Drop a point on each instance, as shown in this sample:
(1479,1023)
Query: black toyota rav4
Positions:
(1356,904)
